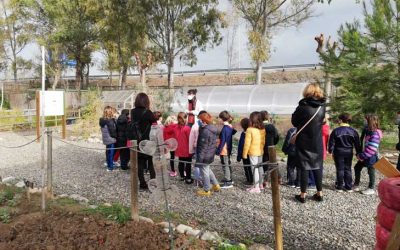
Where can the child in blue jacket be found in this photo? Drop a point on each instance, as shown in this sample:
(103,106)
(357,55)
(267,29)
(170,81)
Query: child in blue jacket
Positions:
(224,149)
(245,122)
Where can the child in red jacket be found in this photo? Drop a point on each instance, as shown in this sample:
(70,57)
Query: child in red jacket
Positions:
(182,132)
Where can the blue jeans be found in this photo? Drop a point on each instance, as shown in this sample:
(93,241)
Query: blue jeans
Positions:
(208,177)
(110,156)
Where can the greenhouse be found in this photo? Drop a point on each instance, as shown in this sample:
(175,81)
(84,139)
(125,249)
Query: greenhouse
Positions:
(280,99)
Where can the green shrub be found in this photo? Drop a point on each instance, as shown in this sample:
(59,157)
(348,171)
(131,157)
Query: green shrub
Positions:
(91,112)
(116,212)
(5,216)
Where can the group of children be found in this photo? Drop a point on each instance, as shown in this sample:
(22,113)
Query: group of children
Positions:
(200,139)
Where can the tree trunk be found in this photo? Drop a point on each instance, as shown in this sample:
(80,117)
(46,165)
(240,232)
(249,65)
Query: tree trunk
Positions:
(78,74)
(143,78)
(111,77)
(171,71)
(124,72)
(57,77)
(258,73)
(328,88)
(87,76)
(14,68)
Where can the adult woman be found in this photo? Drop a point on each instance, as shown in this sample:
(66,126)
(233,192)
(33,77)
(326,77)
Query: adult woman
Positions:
(194,107)
(308,118)
(142,115)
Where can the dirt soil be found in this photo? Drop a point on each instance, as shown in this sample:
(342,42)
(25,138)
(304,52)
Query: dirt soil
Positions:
(65,227)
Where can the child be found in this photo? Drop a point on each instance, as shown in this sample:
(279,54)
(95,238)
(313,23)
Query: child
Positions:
(254,148)
(369,156)
(341,143)
(224,149)
(182,132)
(122,139)
(169,132)
(246,162)
(158,116)
(205,154)
(109,134)
(271,139)
(290,150)
(194,134)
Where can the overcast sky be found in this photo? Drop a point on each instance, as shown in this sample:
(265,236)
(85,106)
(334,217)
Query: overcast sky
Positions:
(289,46)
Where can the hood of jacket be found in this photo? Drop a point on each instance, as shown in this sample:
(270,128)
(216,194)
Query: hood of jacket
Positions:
(122,119)
(310,101)
(102,122)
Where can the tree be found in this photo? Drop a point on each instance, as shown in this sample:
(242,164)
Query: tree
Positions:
(16,31)
(124,26)
(264,17)
(181,27)
(366,65)
(233,23)
(144,61)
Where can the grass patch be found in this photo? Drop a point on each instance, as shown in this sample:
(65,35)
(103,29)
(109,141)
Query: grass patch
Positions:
(116,212)
(7,194)
(389,142)
(228,246)
(5,216)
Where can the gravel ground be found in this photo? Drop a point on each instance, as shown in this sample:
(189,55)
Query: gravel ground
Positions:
(342,221)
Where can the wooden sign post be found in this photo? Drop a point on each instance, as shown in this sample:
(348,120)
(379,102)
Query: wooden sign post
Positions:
(276,202)
(134,181)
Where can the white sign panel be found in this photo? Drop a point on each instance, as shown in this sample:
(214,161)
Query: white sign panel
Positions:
(53,102)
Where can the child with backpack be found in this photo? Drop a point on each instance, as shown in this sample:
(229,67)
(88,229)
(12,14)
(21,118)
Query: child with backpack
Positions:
(224,149)
(182,132)
(244,123)
(369,156)
(169,132)
(290,150)
(271,139)
(341,143)
(109,134)
(253,149)
(205,154)
(122,138)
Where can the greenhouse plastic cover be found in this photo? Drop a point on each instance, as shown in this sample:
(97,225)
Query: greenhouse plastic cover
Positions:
(281,99)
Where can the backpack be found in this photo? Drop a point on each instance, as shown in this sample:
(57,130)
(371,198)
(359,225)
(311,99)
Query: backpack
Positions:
(133,129)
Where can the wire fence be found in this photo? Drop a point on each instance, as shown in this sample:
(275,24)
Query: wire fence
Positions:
(167,203)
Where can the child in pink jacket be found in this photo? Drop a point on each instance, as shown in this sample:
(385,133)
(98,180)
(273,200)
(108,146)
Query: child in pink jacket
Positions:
(182,132)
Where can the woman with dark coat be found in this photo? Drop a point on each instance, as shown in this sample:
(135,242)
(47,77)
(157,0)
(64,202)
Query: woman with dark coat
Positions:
(309,149)
(145,117)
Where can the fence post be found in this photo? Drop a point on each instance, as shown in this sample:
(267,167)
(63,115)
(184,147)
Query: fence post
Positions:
(276,202)
(50,162)
(134,181)
(37,96)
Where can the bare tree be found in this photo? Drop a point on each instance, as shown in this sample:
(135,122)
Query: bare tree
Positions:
(264,17)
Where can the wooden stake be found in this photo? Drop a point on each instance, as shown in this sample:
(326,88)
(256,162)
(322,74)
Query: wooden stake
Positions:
(134,181)
(37,115)
(276,202)
(64,126)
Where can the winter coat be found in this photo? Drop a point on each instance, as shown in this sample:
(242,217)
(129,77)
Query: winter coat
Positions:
(325,138)
(145,118)
(225,138)
(169,131)
(182,133)
(287,147)
(239,156)
(206,144)
(371,145)
(194,134)
(309,151)
(108,131)
(122,125)
(271,138)
(254,142)
(343,139)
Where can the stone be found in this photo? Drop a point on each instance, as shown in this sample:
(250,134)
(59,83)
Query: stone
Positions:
(146,219)
(63,196)
(107,205)
(79,198)
(194,232)
(182,229)
(165,224)
(242,246)
(259,247)
(20,184)
(93,206)
(210,236)
(35,190)
(10,180)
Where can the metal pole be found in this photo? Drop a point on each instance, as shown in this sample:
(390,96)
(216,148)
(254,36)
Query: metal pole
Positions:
(134,181)
(50,162)
(42,117)
(276,202)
